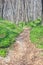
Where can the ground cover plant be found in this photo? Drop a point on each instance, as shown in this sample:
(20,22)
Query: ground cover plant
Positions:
(36,36)
(36,33)
(34,23)
(8,33)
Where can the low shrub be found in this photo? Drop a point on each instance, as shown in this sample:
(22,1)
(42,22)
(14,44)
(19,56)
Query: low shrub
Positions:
(3,52)
(21,24)
(36,36)
(34,23)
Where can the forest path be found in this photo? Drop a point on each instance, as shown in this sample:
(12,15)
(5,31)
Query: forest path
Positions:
(23,52)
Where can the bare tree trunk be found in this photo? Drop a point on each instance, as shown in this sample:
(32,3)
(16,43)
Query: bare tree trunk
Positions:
(42,13)
(21,10)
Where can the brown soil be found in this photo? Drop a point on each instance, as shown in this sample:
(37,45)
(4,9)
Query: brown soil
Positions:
(23,52)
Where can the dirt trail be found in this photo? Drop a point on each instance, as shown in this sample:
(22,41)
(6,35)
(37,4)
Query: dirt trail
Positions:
(23,52)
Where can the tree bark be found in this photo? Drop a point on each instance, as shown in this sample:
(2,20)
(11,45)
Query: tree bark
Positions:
(21,10)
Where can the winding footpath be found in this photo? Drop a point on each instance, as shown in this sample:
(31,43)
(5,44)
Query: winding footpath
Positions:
(23,52)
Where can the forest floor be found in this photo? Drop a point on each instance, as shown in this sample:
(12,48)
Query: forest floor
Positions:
(23,52)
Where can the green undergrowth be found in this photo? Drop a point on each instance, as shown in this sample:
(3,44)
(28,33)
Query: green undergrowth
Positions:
(8,34)
(34,23)
(36,33)
(36,36)
(3,52)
